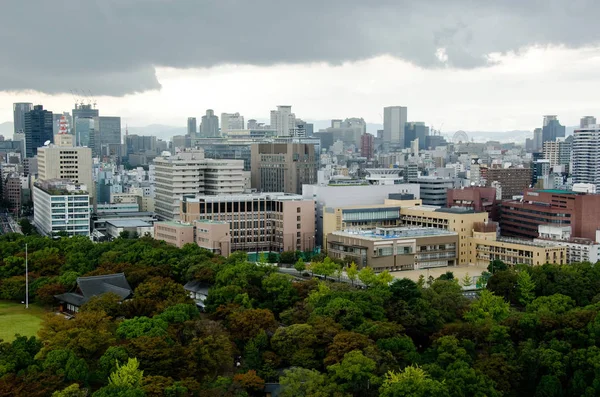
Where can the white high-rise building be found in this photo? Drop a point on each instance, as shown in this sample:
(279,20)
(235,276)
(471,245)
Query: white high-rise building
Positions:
(189,173)
(586,155)
(394,123)
(283,121)
(586,121)
(60,206)
(231,121)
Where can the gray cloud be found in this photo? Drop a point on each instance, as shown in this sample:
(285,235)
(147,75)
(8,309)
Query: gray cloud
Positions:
(112,46)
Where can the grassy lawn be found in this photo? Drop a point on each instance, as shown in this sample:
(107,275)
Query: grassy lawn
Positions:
(15,319)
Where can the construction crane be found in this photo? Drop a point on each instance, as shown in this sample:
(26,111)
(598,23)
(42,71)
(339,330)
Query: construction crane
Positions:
(93,99)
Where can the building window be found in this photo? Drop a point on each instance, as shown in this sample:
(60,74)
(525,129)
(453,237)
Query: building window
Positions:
(298,209)
(298,226)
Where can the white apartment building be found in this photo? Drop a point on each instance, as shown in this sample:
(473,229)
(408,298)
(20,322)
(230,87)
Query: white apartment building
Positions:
(61,206)
(283,121)
(189,173)
(578,249)
(73,163)
(586,155)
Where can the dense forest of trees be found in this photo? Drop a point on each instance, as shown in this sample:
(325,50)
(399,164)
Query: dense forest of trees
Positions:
(532,332)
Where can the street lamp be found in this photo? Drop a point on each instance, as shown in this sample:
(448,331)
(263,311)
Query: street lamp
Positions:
(26,280)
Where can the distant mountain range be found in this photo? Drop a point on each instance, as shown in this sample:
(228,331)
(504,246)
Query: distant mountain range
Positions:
(165,132)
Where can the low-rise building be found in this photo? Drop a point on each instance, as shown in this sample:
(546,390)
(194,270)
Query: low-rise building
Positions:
(174,233)
(397,248)
(133,227)
(60,206)
(485,247)
(578,249)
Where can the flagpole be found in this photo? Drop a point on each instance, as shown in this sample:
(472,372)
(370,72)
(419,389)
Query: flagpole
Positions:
(26,281)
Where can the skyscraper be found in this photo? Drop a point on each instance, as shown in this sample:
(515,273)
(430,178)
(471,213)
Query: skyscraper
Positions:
(107,136)
(367,148)
(586,155)
(416,130)
(283,120)
(552,129)
(231,121)
(84,126)
(394,123)
(192,126)
(586,121)
(38,129)
(537,140)
(19,110)
(209,127)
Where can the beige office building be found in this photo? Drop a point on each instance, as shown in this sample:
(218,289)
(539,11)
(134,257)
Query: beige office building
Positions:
(72,163)
(405,213)
(174,233)
(485,247)
(189,173)
(259,221)
(283,167)
(395,248)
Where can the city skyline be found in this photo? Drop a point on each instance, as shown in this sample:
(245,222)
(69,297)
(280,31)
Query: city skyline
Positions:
(461,69)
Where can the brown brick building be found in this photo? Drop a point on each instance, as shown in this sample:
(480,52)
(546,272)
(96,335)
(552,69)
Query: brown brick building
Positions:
(580,211)
(514,181)
(480,199)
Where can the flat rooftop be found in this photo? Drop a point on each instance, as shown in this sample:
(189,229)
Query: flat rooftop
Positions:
(532,243)
(210,221)
(128,223)
(243,197)
(392,233)
(556,191)
(173,223)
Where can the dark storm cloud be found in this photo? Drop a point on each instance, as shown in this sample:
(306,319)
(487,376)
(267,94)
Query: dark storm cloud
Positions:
(112,46)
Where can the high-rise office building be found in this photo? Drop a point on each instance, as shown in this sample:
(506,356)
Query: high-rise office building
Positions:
(38,129)
(514,181)
(189,173)
(192,126)
(107,136)
(60,206)
(231,121)
(209,127)
(394,123)
(72,163)
(416,130)
(367,148)
(587,121)
(557,152)
(538,142)
(140,143)
(283,120)
(586,155)
(552,129)
(283,167)
(84,126)
(19,110)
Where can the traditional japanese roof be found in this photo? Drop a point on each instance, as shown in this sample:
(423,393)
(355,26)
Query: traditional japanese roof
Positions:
(89,287)
(197,286)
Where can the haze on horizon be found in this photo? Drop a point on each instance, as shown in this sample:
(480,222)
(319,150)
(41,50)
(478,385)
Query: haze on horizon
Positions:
(482,66)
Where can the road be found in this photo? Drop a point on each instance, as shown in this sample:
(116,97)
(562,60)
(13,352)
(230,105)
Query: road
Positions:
(8,224)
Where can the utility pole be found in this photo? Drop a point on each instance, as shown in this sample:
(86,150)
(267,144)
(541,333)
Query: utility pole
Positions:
(26,280)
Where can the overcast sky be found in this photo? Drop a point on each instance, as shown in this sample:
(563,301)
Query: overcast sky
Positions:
(467,64)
